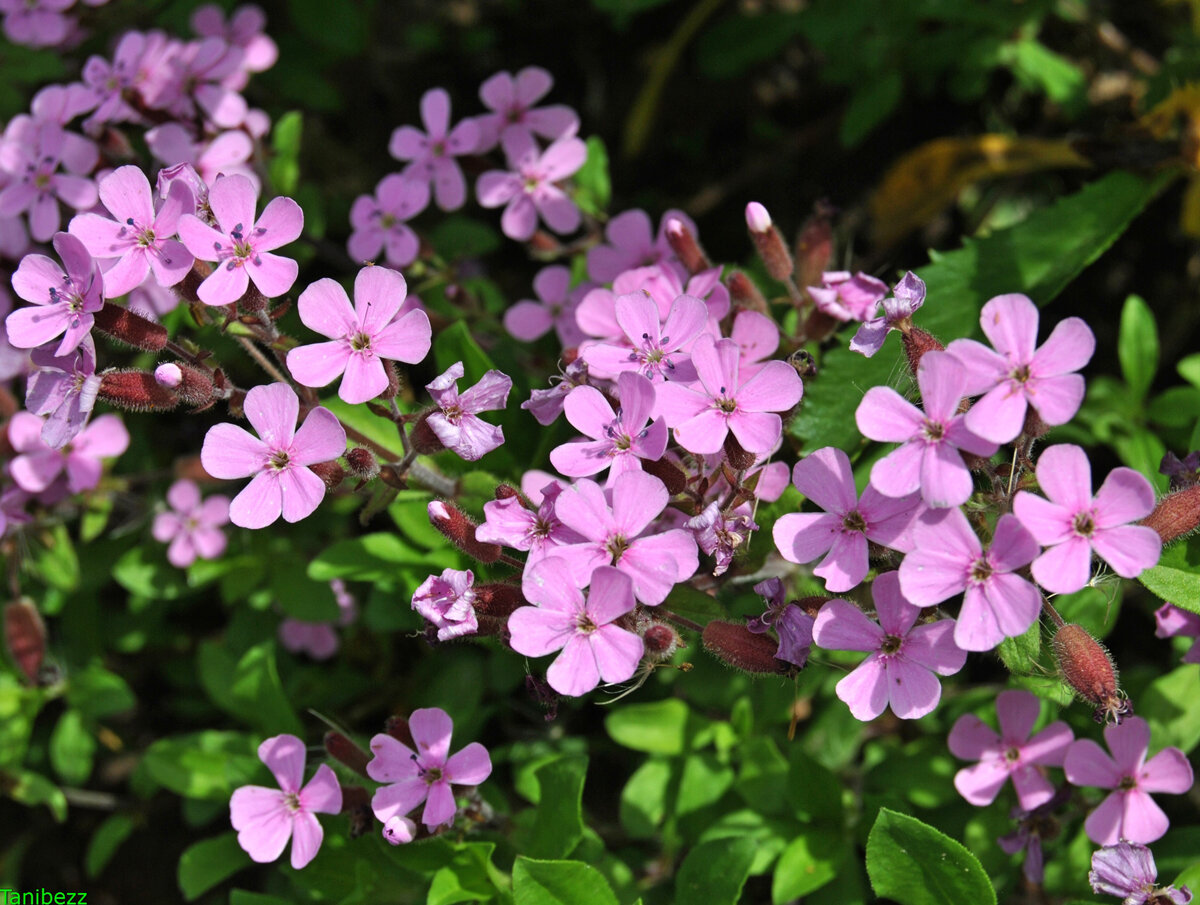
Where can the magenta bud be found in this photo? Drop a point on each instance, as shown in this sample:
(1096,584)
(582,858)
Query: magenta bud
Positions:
(168,375)
(757,218)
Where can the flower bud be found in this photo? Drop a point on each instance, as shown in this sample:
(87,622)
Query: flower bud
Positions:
(814,245)
(1088,668)
(1176,514)
(661,641)
(344,751)
(136,391)
(686,248)
(399,830)
(133,329)
(739,458)
(168,375)
(362,463)
(397,727)
(422,437)
(191,384)
(451,521)
(916,343)
(498,599)
(329,472)
(356,804)
(744,293)
(768,242)
(25,637)
(740,648)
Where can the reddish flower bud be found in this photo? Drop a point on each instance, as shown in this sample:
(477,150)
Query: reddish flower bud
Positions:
(397,727)
(201,270)
(133,329)
(498,599)
(25,636)
(393,376)
(329,472)
(667,472)
(136,391)
(1176,514)
(252,302)
(738,457)
(768,242)
(739,647)
(453,523)
(1088,668)
(191,384)
(820,326)
(422,437)
(916,343)
(356,804)
(345,751)
(362,463)
(814,245)
(686,248)
(744,293)
(661,641)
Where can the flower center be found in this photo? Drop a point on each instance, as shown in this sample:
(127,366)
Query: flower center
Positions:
(981,571)
(725,404)
(429,774)
(584,624)
(291,801)
(934,431)
(616,546)
(1012,754)
(1020,374)
(279,460)
(891,644)
(387,221)
(1084,524)
(1127,783)
(854,521)
(453,412)
(360,342)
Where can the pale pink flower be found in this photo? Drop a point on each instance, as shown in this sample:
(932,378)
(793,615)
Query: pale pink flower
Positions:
(1011,753)
(37,467)
(457,424)
(318,640)
(32,151)
(630,242)
(720,533)
(593,648)
(1128,813)
(244,29)
(267,818)
(841,532)
(512,99)
(947,559)
(847,297)
(528,189)
(64,302)
(361,336)
(447,601)
(278,462)
(528,320)
(1072,524)
(907,298)
(508,522)
(1017,375)
(1170,621)
(241,246)
(64,388)
(425,774)
(1128,872)
(379,221)
(431,153)
(650,344)
(192,527)
(905,658)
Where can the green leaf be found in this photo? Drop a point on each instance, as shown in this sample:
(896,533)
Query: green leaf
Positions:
(144,571)
(1176,578)
(97,693)
(809,862)
(208,862)
(559,883)
(1038,257)
(371,557)
(457,344)
(593,188)
(913,863)
(18,708)
(813,791)
(870,105)
(733,44)
(53,559)
(72,748)
(242,897)
(284,168)
(558,824)
(206,765)
(1137,345)
(457,236)
(1021,654)
(249,687)
(29,788)
(1041,69)
(1168,704)
(763,773)
(659,727)
(300,596)
(703,781)
(105,841)
(644,798)
(714,872)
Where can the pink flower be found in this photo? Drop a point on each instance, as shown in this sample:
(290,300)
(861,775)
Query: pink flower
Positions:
(905,657)
(362,336)
(242,246)
(1071,524)
(528,189)
(947,558)
(379,221)
(448,602)
(226,154)
(425,774)
(244,30)
(1016,375)
(593,649)
(618,439)
(63,387)
(928,458)
(528,320)
(720,534)
(36,466)
(792,625)
(1009,754)
(547,405)
(510,523)
(139,236)
(317,639)
(844,529)
(652,345)
(36,23)
(64,300)
(267,818)
(432,152)
(848,298)
(1171,621)
(457,424)
(1129,873)
(32,151)
(757,338)
(703,417)
(909,296)
(512,102)
(192,527)
(614,535)
(1128,813)
(278,462)
(630,242)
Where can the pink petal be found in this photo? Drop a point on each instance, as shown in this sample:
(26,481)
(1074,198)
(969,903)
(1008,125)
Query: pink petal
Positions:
(263,822)
(320,438)
(1017,712)
(407,143)
(536,632)
(1049,746)
(306,838)
(519,220)
(980,784)
(1065,568)
(231,452)
(945,479)
(260,502)
(1128,549)
(1057,399)
(705,433)
(825,477)
(232,199)
(618,653)
(325,308)
(895,614)
(449,184)
(757,432)
(1065,476)
(1168,771)
(685,320)
(589,411)
(1087,764)
(1012,546)
(406,339)
(399,798)
(575,671)
(319,364)
(224,286)
(1015,602)
(392,760)
(431,728)
(1103,825)
(271,273)
(801,537)
(1125,496)
(847,563)
(1068,348)
(1128,741)
(865,690)
(272,409)
(322,794)
(497,92)
(1031,786)
(1010,322)
(365,378)
(999,415)
(912,690)
(126,193)
(1048,522)
(842,626)
(435,112)
(611,595)
(469,767)
(1142,820)
(528,321)
(301,492)
(932,646)
(886,416)
(284,756)
(971,738)
(941,378)
(657,562)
